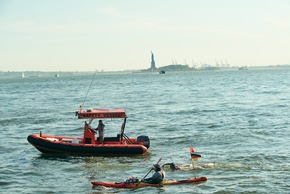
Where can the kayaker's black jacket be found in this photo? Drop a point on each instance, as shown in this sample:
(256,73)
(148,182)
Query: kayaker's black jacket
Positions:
(157,178)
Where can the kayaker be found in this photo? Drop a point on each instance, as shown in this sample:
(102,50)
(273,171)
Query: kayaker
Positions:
(172,166)
(101,131)
(157,177)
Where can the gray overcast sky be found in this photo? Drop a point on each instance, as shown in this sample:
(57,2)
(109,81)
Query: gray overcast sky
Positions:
(113,35)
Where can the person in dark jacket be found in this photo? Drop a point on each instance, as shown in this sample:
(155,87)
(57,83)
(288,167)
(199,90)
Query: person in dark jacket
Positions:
(157,177)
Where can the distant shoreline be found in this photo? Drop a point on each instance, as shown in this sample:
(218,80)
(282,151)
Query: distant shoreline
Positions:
(34,73)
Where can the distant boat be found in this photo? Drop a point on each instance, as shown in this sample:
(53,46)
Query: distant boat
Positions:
(243,68)
(56,75)
(22,76)
(161,72)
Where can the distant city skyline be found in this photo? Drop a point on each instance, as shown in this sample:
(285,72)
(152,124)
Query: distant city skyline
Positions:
(72,35)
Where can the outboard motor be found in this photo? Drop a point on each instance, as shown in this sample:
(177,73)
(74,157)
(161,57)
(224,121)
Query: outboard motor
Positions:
(144,140)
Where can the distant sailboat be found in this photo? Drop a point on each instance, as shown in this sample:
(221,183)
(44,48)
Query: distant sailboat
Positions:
(22,76)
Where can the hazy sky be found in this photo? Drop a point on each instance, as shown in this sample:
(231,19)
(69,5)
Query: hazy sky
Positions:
(113,35)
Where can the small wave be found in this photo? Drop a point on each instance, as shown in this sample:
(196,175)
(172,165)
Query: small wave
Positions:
(2,183)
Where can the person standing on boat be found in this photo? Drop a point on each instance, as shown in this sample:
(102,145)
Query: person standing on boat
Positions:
(101,131)
(157,177)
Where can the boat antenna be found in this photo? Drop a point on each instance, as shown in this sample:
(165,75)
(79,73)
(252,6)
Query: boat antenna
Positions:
(82,105)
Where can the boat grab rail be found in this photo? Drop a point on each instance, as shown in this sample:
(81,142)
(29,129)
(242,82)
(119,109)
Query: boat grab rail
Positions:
(127,138)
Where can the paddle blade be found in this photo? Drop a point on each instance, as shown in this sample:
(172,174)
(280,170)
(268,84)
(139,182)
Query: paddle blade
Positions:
(159,160)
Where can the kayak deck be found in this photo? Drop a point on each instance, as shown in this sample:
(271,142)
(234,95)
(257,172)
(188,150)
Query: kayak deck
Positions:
(143,184)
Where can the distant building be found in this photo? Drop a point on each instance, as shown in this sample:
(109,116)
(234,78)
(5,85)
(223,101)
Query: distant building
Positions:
(153,67)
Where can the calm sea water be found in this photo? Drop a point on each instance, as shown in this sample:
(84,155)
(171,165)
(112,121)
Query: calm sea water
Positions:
(239,121)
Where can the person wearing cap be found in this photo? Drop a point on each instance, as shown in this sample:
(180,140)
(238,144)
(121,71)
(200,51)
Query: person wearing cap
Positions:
(172,166)
(101,131)
(157,177)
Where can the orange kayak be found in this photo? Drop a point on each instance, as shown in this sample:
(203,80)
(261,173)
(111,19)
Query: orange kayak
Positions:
(143,184)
